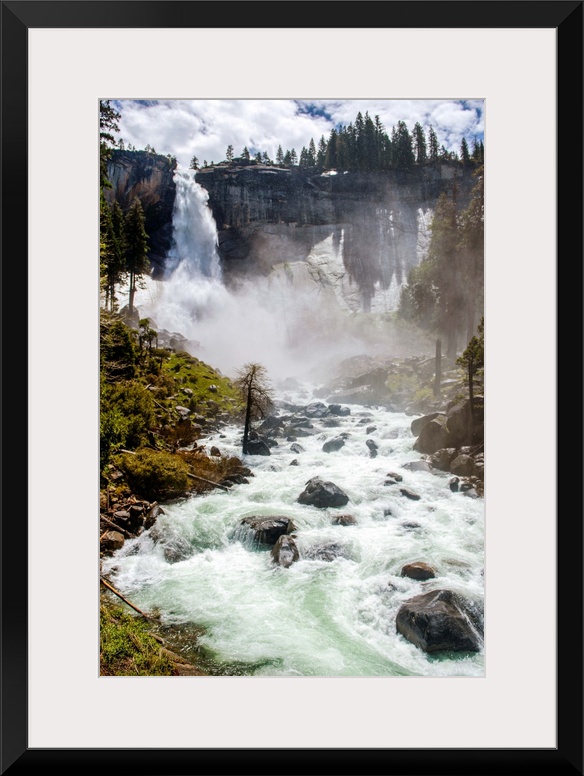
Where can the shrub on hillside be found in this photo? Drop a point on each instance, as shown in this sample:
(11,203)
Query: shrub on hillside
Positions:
(154,474)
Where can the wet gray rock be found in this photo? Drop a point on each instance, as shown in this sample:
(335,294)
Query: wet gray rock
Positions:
(418,424)
(419,570)
(409,494)
(322,494)
(418,466)
(285,552)
(332,445)
(257,447)
(336,409)
(267,529)
(433,436)
(111,541)
(344,520)
(439,621)
(462,465)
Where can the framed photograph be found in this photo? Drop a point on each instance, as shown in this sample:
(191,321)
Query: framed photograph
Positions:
(223,97)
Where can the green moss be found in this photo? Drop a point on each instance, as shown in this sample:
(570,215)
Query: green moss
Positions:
(154,474)
(126,646)
(196,376)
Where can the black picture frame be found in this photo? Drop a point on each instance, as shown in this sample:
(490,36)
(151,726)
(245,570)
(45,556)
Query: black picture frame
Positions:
(18,16)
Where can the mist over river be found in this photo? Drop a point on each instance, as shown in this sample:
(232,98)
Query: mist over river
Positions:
(333,611)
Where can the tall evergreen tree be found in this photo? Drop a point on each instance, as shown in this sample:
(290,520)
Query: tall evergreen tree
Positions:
(229,153)
(108,123)
(432,145)
(403,152)
(245,153)
(420,144)
(321,154)
(194,165)
(279,155)
(135,249)
(330,159)
(464,152)
(311,154)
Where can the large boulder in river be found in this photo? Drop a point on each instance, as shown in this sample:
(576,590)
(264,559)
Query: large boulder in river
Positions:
(442,458)
(419,570)
(439,621)
(433,436)
(459,422)
(462,465)
(257,447)
(323,494)
(332,445)
(419,423)
(285,552)
(111,541)
(315,410)
(267,529)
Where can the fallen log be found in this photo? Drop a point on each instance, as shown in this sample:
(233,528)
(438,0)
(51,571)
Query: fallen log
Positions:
(116,527)
(125,600)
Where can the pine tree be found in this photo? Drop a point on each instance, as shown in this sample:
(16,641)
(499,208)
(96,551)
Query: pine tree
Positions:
(279,155)
(135,249)
(311,154)
(330,159)
(229,153)
(432,145)
(321,155)
(108,123)
(403,153)
(245,153)
(464,152)
(194,165)
(420,144)
(293,157)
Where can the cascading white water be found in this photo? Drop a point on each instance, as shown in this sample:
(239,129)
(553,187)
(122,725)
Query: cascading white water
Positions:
(267,318)
(333,612)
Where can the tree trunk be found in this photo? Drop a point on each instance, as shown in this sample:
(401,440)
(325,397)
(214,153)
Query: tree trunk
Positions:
(247,416)
(471,397)
(438,368)
(132,290)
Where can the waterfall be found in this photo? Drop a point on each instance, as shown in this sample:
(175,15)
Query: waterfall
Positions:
(194,231)
(192,289)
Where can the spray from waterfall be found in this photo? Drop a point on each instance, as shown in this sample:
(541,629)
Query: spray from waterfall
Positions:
(287,320)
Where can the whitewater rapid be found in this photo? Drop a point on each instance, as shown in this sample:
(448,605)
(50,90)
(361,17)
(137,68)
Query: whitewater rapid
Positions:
(332,615)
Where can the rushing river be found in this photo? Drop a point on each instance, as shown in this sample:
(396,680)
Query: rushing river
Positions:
(332,612)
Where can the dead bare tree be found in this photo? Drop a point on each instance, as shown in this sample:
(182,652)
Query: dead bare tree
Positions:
(256,391)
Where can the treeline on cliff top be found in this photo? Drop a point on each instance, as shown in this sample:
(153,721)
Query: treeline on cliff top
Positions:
(362,145)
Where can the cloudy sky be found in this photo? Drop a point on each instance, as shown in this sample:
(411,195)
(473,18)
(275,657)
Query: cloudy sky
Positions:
(204,128)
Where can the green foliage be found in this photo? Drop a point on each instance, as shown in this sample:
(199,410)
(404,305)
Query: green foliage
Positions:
(155,474)
(126,416)
(136,261)
(118,354)
(444,293)
(472,361)
(108,123)
(126,646)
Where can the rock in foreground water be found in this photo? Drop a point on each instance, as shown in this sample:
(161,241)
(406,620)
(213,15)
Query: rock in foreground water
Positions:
(322,493)
(438,621)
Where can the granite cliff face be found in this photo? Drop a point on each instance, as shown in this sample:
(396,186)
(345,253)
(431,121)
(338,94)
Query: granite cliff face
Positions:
(355,234)
(358,233)
(150,178)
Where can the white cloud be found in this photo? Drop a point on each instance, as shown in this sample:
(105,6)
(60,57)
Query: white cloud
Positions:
(204,128)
